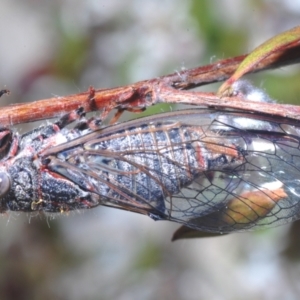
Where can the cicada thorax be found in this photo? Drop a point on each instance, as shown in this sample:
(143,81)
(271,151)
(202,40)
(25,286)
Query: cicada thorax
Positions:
(26,184)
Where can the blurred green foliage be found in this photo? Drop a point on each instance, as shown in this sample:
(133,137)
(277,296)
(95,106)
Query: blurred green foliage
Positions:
(222,40)
(218,38)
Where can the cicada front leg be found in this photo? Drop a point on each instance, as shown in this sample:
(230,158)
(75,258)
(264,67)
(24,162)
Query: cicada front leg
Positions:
(47,131)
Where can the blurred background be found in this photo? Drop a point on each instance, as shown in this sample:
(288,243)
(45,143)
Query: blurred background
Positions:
(62,47)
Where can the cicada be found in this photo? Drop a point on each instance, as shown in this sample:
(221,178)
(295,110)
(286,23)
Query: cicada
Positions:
(213,170)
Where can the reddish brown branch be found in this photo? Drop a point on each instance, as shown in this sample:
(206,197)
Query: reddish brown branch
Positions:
(145,93)
(166,94)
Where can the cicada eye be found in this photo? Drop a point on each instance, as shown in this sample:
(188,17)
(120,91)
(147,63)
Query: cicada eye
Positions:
(5,183)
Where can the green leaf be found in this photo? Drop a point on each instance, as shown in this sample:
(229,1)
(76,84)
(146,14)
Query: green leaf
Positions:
(277,43)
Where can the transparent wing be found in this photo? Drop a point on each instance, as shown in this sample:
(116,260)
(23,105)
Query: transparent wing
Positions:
(218,171)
